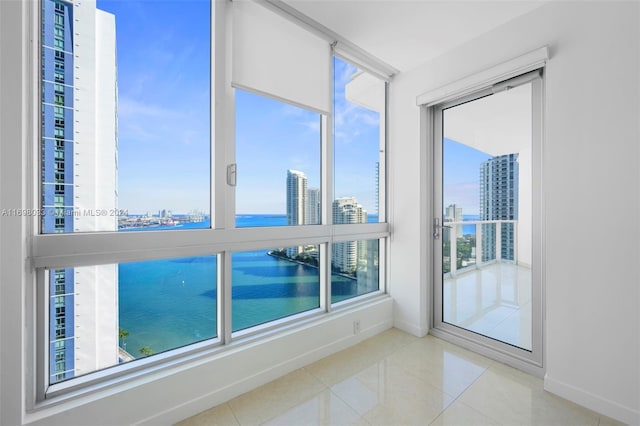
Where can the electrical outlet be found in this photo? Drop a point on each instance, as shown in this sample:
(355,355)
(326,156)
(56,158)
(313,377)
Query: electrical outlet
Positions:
(356,326)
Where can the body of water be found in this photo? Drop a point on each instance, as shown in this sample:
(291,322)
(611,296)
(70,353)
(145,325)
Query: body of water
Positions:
(165,304)
(469,229)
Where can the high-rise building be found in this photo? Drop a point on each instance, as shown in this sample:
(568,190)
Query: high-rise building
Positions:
(499,201)
(296,197)
(79,179)
(313,206)
(453,213)
(345,254)
(297,205)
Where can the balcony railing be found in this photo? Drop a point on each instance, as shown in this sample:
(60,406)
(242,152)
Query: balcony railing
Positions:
(491,241)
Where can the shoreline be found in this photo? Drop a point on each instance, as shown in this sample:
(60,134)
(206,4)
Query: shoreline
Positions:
(299,262)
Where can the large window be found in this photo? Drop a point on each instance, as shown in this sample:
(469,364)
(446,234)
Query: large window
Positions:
(162,210)
(104,315)
(278,157)
(359,107)
(272,284)
(133,107)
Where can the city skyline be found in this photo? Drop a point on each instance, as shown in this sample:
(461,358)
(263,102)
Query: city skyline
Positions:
(302,201)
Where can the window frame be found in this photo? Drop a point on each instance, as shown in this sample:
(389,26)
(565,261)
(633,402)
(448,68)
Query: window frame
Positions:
(68,250)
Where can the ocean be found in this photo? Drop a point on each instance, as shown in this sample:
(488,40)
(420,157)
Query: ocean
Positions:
(166,304)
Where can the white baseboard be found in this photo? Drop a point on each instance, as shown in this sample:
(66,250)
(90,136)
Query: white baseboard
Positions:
(411,328)
(593,402)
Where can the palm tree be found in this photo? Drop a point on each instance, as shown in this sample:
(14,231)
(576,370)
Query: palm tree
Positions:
(146,351)
(123,334)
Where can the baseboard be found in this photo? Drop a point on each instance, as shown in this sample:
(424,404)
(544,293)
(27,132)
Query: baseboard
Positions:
(411,328)
(593,402)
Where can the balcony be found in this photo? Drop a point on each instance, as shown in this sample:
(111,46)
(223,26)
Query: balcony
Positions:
(487,289)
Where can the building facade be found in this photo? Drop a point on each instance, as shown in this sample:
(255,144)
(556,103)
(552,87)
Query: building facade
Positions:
(453,213)
(296,197)
(499,201)
(345,254)
(79,179)
(313,206)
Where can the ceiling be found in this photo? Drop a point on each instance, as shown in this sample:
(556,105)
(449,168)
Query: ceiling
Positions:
(407,33)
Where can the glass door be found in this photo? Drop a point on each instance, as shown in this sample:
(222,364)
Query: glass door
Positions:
(485,224)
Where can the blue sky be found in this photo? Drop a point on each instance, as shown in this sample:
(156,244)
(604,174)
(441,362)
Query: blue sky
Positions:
(164,121)
(163,104)
(461,175)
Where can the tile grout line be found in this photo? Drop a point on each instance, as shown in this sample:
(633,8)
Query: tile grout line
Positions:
(491,362)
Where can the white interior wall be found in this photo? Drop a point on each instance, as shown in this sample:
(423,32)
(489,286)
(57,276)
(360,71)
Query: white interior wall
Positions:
(590,157)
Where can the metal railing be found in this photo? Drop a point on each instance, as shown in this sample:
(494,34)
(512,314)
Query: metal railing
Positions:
(482,252)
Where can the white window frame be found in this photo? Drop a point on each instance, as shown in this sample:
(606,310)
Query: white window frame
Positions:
(47,251)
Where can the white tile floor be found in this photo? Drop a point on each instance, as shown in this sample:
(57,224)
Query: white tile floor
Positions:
(493,300)
(398,379)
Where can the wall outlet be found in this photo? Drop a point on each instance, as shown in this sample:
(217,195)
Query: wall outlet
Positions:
(356,326)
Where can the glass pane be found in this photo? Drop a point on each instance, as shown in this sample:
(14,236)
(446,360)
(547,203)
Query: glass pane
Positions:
(355,266)
(271,284)
(105,315)
(359,109)
(486,241)
(278,157)
(125,115)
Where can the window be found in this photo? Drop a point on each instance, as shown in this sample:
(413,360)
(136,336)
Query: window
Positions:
(359,105)
(355,266)
(151,158)
(140,298)
(273,284)
(285,190)
(144,155)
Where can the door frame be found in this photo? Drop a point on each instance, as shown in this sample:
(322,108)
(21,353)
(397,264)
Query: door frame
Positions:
(432,104)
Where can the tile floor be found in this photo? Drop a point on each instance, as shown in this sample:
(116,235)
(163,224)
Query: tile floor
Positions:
(494,300)
(398,379)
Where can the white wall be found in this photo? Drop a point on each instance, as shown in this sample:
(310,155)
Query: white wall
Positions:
(590,172)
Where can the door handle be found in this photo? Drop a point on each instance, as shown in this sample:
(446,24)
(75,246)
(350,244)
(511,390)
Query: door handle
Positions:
(437,227)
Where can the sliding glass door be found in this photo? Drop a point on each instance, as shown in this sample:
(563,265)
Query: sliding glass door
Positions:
(485,226)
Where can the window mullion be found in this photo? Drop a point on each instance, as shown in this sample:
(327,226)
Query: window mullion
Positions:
(223,119)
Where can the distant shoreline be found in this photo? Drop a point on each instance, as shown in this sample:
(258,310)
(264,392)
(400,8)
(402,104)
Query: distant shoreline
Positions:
(299,262)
